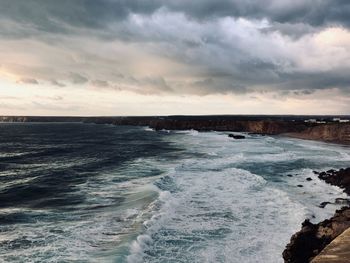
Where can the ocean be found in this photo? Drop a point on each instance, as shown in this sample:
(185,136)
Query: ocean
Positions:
(74,192)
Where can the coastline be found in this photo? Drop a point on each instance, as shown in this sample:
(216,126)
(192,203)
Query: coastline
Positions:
(306,244)
(290,126)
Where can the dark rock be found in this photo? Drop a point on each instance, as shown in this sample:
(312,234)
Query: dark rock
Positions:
(323,204)
(339,178)
(309,179)
(312,238)
(289,175)
(322,175)
(237,137)
(342,201)
(300,185)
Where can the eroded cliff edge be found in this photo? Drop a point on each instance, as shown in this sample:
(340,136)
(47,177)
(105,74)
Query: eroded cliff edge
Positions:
(313,238)
(335,132)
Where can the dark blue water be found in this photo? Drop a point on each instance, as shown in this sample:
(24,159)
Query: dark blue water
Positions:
(56,158)
(78,192)
(52,173)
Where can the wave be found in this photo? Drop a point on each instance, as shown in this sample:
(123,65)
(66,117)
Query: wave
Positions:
(204,209)
(148,129)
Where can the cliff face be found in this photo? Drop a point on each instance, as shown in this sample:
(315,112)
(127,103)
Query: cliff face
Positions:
(328,132)
(266,127)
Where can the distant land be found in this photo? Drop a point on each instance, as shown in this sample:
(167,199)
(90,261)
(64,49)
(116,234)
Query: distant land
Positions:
(334,129)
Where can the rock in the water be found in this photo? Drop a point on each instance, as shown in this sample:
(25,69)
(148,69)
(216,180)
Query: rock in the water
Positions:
(235,136)
(339,178)
(342,201)
(309,179)
(323,204)
(300,185)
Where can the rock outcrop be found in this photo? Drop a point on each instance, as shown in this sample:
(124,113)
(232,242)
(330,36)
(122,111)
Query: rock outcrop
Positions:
(236,136)
(312,238)
(339,178)
(253,126)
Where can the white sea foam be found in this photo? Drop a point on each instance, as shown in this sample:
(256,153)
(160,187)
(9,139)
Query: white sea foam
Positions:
(189,132)
(220,213)
(148,129)
(219,200)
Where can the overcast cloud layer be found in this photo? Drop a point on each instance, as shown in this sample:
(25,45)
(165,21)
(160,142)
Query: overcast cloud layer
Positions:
(178,47)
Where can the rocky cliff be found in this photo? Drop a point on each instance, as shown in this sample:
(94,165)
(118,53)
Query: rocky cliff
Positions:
(335,132)
(313,238)
(254,126)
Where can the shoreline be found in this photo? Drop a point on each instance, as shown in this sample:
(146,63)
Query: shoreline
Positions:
(306,244)
(291,126)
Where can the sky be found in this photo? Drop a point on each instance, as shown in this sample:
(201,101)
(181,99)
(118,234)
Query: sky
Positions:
(158,57)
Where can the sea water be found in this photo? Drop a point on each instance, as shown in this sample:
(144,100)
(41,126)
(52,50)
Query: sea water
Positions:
(74,192)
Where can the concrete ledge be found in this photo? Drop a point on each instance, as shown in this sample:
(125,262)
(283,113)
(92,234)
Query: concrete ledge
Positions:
(338,251)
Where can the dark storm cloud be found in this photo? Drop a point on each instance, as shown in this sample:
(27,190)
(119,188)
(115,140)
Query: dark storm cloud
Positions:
(316,80)
(292,30)
(219,55)
(312,12)
(58,16)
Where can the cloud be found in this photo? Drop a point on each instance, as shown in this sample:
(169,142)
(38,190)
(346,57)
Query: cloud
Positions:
(28,81)
(100,83)
(179,47)
(54,107)
(57,83)
(11,106)
(76,78)
(54,98)
(61,16)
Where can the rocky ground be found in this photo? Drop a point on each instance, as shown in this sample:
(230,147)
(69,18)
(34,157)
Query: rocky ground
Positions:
(313,238)
(339,178)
